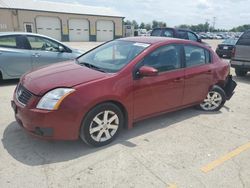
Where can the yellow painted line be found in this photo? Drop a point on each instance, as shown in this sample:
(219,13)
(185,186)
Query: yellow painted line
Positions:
(225,158)
(172,185)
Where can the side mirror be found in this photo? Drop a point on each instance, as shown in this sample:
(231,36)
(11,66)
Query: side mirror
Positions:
(61,49)
(199,39)
(147,71)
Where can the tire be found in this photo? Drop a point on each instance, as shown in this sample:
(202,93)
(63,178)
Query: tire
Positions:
(240,72)
(96,130)
(215,100)
(1,77)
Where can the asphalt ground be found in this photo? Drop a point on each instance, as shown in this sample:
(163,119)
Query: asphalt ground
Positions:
(187,148)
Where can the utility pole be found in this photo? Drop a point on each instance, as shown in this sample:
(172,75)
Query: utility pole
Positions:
(214,21)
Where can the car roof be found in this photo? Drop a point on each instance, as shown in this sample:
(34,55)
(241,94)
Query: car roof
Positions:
(31,34)
(26,33)
(173,28)
(150,40)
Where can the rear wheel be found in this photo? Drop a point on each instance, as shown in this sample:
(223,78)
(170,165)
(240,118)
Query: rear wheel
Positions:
(102,124)
(1,77)
(215,99)
(240,72)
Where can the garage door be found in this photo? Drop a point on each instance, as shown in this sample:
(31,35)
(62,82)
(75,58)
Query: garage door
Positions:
(105,30)
(50,26)
(78,30)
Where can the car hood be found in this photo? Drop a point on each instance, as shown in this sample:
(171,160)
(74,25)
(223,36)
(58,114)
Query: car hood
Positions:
(65,74)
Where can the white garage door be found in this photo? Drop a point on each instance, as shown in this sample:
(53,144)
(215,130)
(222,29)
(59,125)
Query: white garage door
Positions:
(50,26)
(78,30)
(105,30)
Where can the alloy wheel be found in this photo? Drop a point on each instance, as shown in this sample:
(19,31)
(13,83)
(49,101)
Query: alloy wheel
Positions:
(104,126)
(212,101)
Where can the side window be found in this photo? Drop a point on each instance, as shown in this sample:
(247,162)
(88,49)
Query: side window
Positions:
(208,57)
(168,33)
(156,32)
(42,44)
(182,34)
(194,56)
(164,58)
(192,37)
(244,39)
(8,42)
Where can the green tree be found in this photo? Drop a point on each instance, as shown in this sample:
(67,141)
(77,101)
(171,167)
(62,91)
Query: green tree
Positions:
(154,24)
(142,26)
(135,24)
(148,26)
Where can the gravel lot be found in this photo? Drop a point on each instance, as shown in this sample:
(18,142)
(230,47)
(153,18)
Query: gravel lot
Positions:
(172,150)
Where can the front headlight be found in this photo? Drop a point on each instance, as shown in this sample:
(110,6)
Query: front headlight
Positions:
(53,99)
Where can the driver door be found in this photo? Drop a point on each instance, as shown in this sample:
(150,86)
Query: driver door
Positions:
(164,91)
(45,51)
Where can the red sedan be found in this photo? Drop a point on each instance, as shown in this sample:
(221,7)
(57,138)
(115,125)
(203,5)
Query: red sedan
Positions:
(117,84)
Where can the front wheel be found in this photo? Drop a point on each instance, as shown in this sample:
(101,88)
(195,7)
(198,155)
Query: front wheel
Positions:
(215,99)
(102,124)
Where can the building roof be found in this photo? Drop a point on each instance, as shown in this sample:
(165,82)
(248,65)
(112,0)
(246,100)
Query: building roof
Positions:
(48,6)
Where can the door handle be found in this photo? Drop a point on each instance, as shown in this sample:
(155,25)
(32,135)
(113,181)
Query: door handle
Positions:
(209,71)
(36,55)
(178,79)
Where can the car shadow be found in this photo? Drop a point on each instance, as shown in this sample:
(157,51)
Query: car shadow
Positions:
(33,152)
(245,79)
(9,82)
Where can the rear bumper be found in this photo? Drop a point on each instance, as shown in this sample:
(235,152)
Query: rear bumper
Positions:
(244,65)
(229,87)
(227,53)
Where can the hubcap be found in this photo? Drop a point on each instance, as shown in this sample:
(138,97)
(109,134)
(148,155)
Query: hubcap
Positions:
(104,125)
(212,101)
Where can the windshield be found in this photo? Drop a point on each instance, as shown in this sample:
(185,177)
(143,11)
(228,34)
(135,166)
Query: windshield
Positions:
(230,41)
(112,56)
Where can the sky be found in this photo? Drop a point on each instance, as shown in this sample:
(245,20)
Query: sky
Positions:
(228,13)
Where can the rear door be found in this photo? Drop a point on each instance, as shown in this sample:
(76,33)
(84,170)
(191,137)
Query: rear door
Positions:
(242,50)
(164,91)
(45,51)
(198,74)
(15,57)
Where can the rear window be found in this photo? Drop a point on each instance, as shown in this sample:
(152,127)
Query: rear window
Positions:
(244,39)
(8,42)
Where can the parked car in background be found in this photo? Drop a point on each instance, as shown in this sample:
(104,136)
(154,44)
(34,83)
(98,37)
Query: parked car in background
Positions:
(22,52)
(241,55)
(118,83)
(177,33)
(226,48)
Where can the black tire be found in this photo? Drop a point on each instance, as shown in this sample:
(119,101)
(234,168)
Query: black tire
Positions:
(88,124)
(1,77)
(240,72)
(219,92)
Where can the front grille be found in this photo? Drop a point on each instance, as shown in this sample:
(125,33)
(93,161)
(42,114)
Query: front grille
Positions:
(23,95)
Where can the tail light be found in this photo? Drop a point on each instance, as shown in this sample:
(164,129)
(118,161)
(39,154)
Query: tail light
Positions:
(233,52)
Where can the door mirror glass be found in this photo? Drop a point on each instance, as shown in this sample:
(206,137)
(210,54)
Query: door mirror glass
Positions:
(61,49)
(147,71)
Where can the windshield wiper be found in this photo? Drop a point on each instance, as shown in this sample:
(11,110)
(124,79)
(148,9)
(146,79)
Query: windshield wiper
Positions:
(91,66)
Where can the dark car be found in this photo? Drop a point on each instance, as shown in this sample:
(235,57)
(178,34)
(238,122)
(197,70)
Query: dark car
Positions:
(119,83)
(241,55)
(177,33)
(226,47)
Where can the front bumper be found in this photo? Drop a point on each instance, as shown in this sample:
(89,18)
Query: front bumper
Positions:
(50,125)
